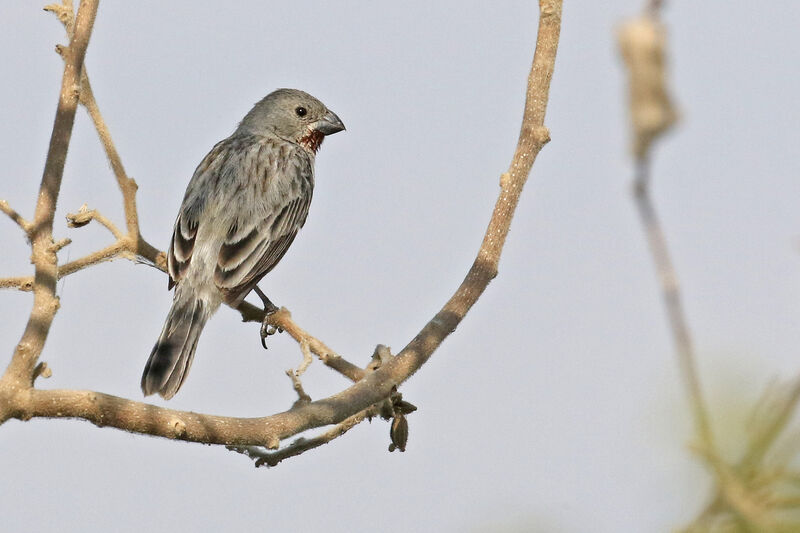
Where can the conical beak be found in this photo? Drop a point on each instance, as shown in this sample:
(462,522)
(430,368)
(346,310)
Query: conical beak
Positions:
(328,124)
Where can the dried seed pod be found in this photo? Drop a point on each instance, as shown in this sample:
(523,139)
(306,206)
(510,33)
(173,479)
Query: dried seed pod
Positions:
(405,407)
(399,432)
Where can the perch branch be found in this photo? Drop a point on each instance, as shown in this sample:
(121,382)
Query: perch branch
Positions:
(282,319)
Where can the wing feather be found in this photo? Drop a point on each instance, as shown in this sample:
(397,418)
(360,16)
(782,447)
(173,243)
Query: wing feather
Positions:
(242,263)
(184,233)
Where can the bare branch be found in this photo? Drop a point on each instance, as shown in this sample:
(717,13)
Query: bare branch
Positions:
(45,302)
(302,397)
(112,251)
(533,136)
(127,185)
(59,245)
(282,319)
(65,14)
(264,457)
(20,283)
(16,217)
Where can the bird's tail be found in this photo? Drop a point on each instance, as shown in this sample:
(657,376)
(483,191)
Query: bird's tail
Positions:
(172,355)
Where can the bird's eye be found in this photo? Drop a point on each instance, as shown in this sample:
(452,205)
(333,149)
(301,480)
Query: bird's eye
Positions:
(301,111)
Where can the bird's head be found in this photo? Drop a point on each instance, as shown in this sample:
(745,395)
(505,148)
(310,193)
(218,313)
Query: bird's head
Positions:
(294,116)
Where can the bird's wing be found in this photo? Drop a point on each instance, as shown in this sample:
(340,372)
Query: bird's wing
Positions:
(181,246)
(253,247)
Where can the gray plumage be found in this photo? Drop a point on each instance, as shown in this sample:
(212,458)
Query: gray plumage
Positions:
(242,209)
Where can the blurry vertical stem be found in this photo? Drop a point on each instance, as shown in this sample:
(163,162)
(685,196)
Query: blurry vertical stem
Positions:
(643,47)
(672,301)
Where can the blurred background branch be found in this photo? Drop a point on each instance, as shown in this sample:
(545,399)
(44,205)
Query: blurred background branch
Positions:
(750,494)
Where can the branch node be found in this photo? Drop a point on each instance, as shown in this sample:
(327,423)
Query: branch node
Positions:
(381,355)
(548,9)
(57,246)
(541,135)
(64,13)
(41,370)
(178,428)
(307,357)
(302,397)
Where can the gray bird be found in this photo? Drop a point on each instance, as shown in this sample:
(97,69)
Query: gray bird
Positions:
(242,209)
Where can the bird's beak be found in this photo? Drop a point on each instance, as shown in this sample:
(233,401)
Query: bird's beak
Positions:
(328,124)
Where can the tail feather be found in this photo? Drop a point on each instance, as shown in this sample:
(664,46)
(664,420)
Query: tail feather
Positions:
(172,355)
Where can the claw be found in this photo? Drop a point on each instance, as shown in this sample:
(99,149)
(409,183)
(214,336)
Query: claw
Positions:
(269,308)
(267,330)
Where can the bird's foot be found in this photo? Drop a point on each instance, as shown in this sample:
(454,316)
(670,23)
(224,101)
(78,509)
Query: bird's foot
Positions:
(270,309)
(268,329)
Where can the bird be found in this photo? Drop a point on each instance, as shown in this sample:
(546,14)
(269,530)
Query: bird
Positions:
(242,209)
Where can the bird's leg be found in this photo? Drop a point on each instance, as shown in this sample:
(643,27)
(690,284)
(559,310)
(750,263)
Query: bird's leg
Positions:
(269,309)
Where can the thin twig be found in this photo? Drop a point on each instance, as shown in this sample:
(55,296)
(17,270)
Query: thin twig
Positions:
(86,215)
(110,252)
(672,301)
(302,396)
(16,217)
(127,185)
(264,457)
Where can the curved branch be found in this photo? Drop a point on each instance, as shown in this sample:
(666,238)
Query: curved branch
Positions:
(533,136)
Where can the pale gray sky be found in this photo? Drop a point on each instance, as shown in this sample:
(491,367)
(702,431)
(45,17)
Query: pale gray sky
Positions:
(556,406)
